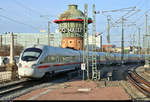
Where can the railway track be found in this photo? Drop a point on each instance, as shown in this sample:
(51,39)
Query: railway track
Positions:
(12,88)
(139,83)
(7,92)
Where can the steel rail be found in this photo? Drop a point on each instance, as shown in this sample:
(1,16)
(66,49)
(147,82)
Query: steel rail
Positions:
(138,82)
(9,85)
(9,89)
(140,79)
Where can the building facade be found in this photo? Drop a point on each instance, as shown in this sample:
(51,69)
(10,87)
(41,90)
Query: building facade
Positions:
(72,27)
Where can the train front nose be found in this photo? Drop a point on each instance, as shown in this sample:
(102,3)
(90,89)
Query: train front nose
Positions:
(26,71)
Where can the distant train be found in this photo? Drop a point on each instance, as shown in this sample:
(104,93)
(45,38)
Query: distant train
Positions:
(40,60)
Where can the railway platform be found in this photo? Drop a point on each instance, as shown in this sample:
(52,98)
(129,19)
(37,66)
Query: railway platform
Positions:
(77,89)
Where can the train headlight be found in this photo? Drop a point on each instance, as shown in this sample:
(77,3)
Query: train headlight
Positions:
(19,65)
(34,65)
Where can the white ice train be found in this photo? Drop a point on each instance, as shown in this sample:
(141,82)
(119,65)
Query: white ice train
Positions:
(39,60)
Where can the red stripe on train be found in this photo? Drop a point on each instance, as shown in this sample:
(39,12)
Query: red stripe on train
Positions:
(66,64)
(44,66)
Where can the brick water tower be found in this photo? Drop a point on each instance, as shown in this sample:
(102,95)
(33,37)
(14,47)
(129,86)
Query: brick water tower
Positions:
(71,24)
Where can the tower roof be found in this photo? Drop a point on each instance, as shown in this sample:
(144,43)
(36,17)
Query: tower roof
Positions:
(72,14)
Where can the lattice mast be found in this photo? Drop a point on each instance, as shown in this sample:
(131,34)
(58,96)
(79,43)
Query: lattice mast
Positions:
(94,67)
(85,48)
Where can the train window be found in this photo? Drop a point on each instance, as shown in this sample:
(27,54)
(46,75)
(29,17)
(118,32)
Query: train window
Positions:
(31,54)
(63,59)
(74,58)
(45,60)
(52,59)
(60,59)
(49,59)
(57,58)
(68,59)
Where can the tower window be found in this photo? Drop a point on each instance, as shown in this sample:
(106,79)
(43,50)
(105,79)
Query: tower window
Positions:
(70,42)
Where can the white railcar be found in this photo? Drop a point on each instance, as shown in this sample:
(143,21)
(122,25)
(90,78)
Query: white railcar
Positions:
(39,60)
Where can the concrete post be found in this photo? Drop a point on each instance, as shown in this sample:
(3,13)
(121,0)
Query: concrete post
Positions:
(1,38)
(12,65)
(12,49)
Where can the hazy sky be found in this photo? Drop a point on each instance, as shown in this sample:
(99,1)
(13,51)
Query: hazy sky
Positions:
(24,15)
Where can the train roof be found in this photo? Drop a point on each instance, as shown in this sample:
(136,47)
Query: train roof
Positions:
(40,46)
(57,50)
(62,51)
(70,52)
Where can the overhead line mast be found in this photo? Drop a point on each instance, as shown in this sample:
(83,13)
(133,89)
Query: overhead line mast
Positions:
(85,54)
(147,64)
(94,64)
(120,19)
(130,9)
(122,41)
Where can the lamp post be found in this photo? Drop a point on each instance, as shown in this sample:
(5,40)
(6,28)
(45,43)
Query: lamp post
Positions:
(48,29)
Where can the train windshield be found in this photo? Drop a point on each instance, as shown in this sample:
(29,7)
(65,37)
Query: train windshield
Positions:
(31,54)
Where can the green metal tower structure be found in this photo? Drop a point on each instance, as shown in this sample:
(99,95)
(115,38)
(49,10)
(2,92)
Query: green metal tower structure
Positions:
(147,64)
(94,65)
(85,42)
